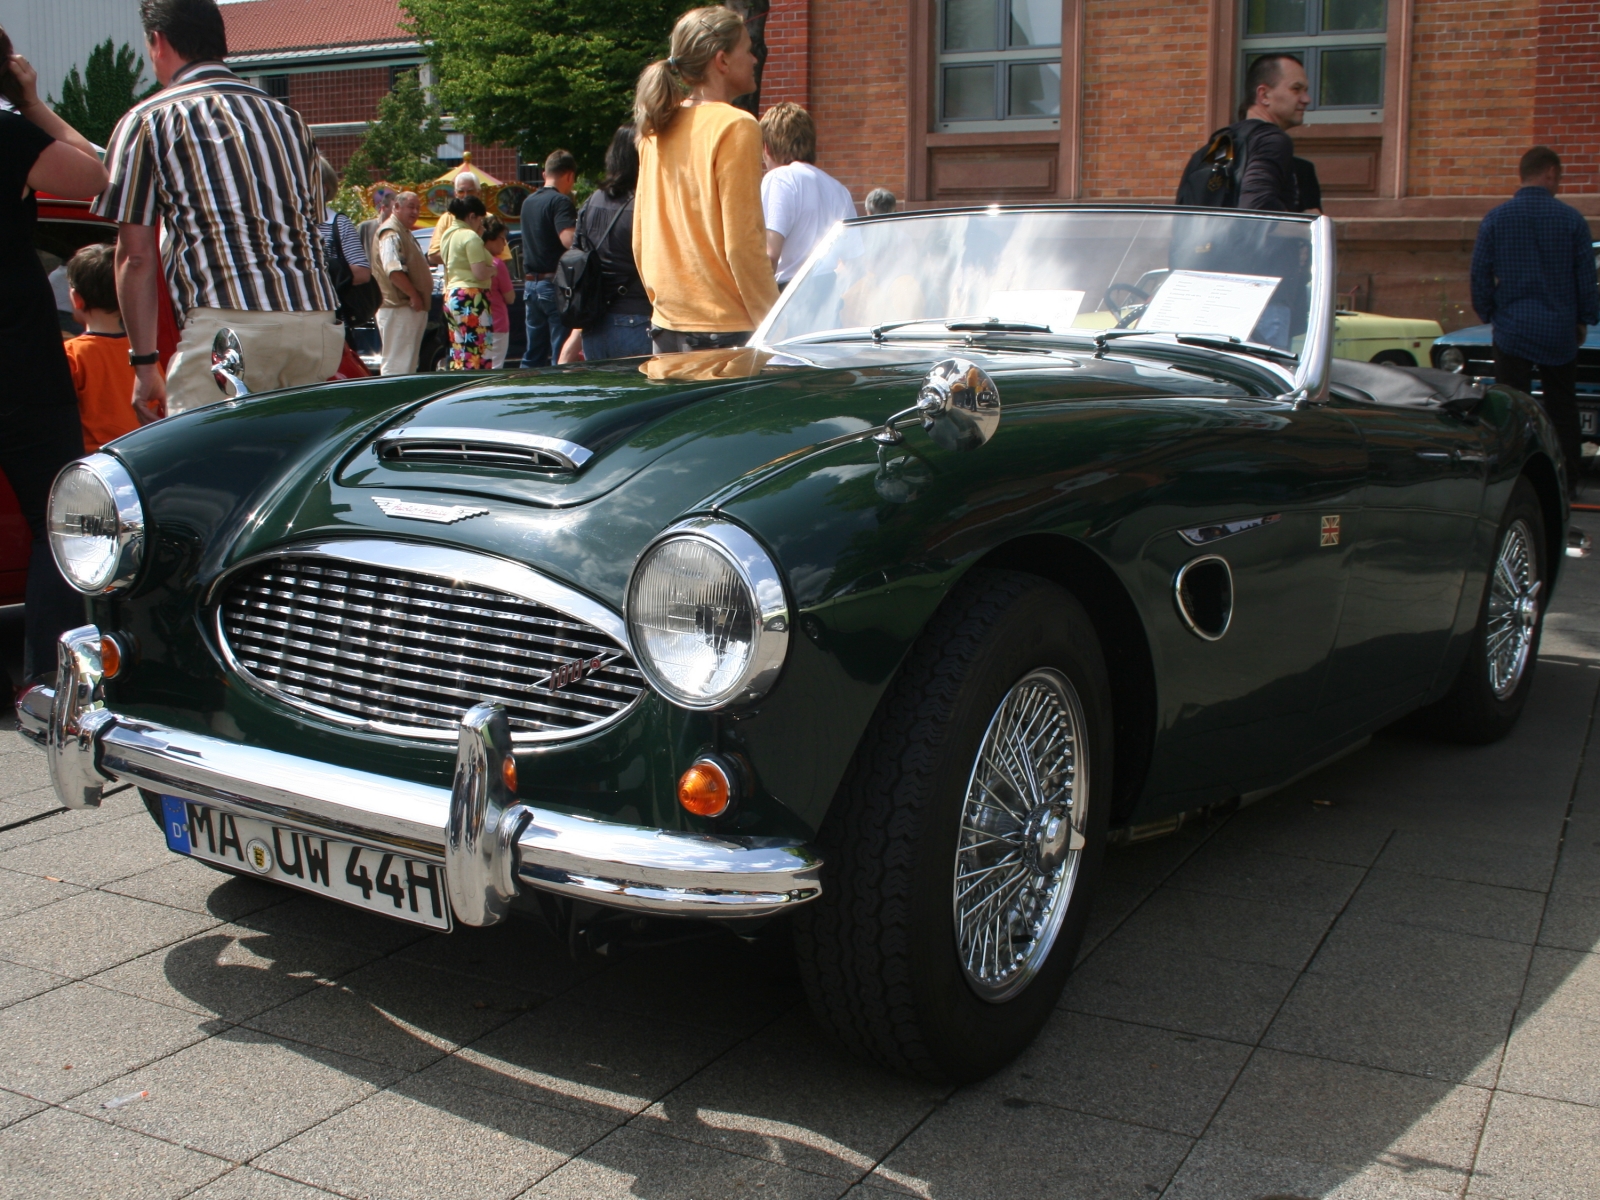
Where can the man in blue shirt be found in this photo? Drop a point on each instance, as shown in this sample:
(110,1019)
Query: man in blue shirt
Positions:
(1533,279)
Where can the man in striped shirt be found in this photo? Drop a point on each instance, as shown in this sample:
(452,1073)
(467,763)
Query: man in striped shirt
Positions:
(232,175)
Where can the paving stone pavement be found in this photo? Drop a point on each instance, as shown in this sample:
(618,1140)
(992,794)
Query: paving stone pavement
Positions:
(1382,983)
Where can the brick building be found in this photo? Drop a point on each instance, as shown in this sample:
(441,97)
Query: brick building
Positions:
(1421,108)
(332,61)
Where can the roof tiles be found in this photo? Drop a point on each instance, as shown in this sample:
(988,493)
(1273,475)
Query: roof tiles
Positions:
(259,26)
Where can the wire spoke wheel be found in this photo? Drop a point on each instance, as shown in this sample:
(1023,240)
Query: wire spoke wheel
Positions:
(1513,614)
(1021,835)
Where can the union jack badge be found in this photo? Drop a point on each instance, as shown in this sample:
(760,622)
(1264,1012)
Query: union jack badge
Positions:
(1330,530)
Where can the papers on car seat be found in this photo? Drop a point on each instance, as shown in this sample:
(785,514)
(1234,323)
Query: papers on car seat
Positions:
(1209,302)
(1055,309)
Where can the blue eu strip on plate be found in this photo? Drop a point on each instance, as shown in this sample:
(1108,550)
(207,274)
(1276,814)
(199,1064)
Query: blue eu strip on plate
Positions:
(175,821)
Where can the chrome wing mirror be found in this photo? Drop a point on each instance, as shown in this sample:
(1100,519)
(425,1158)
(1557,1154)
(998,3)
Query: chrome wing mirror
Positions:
(227,363)
(959,406)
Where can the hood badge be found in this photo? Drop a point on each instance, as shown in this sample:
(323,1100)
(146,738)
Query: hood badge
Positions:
(575,669)
(410,510)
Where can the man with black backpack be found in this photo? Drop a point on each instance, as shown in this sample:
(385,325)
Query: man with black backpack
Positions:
(548,224)
(1250,164)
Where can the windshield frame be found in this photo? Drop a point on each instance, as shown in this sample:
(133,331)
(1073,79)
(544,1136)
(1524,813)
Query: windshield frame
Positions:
(1310,377)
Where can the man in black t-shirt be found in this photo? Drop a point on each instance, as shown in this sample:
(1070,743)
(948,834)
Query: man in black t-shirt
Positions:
(548,224)
(1277,93)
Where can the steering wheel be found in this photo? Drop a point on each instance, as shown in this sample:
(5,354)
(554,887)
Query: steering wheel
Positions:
(1129,310)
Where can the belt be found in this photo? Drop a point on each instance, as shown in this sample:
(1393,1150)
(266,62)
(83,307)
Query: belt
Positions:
(540,276)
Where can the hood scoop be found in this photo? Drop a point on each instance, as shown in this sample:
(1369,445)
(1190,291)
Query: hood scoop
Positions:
(458,446)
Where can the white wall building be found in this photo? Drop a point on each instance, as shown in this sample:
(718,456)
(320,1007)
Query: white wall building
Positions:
(57,35)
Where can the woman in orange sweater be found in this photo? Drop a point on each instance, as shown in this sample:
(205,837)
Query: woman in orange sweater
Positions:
(698,235)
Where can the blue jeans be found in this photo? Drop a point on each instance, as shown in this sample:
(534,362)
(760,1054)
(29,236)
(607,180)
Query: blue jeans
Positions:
(617,335)
(546,329)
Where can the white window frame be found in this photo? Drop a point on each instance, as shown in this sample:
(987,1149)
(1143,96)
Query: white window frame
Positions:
(1309,47)
(1004,57)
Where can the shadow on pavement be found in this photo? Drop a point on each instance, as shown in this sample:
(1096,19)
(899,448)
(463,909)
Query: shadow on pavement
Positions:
(1314,993)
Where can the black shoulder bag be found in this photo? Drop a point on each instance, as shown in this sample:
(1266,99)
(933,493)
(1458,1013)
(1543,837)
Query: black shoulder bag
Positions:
(358,303)
(580,300)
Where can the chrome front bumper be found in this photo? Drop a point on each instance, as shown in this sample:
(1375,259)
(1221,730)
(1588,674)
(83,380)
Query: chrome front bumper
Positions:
(490,845)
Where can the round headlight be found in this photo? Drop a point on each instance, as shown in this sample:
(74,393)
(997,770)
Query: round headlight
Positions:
(707,615)
(1452,359)
(96,525)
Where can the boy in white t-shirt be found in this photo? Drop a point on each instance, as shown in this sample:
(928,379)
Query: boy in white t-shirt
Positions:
(799,202)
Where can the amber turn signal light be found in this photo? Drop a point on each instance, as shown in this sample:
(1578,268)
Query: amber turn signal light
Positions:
(508,773)
(110,657)
(704,789)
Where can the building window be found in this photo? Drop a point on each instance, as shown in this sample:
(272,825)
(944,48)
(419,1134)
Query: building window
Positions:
(276,86)
(396,72)
(999,64)
(1341,42)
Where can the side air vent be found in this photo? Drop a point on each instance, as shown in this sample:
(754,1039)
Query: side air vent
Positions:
(1203,590)
(482,447)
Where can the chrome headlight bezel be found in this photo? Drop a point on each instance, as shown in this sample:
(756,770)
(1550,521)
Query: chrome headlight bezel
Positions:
(127,554)
(764,587)
(1452,358)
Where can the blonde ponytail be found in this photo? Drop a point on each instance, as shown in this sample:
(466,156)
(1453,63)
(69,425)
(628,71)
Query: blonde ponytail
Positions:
(698,37)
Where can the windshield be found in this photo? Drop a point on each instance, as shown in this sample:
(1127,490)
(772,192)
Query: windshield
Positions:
(1225,276)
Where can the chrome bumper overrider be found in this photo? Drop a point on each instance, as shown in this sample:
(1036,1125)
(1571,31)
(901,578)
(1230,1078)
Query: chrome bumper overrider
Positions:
(490,845)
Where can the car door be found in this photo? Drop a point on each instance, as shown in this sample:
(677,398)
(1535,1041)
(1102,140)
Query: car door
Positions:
(1270,493)
(1426,472)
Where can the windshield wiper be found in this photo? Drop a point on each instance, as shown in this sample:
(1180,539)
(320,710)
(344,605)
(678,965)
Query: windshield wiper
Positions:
(962,325)
(995,325)
(1208,341)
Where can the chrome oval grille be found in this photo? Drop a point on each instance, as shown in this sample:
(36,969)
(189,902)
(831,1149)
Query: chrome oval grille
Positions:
(403,651)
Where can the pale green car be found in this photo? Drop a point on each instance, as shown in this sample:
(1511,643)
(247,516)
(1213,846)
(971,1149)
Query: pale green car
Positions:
(1363,337)
(1368,337)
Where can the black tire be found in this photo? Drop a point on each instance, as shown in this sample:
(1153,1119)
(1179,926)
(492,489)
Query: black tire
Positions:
(1471,712)
(878,951)
(1400,358)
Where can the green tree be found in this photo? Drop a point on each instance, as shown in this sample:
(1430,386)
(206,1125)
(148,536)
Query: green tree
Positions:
(110,85)
(542,74)
(400,144)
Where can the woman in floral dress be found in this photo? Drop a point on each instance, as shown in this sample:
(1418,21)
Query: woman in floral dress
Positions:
(468,272)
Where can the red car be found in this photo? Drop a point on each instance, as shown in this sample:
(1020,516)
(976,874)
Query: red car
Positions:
(65,227)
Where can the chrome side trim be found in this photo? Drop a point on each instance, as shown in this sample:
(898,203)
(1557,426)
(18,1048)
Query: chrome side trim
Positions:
(502,447)
(1201,535)
(668,872)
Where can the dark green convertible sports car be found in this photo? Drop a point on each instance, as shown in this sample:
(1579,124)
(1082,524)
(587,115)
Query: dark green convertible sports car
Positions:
(1014,531)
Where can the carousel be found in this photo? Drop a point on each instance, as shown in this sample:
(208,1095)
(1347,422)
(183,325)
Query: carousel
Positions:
(504,199)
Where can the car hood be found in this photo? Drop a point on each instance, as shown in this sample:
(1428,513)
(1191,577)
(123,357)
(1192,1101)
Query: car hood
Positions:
(1373,325)
(667,436)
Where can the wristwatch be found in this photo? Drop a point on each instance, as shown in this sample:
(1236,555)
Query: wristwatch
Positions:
(143,360)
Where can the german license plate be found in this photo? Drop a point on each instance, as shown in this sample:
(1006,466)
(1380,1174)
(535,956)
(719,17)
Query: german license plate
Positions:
(383,882)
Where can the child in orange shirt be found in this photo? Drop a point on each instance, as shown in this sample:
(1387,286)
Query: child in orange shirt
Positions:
(99,357)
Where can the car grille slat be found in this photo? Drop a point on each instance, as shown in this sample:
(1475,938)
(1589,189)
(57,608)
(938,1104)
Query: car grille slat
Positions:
(398,649)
